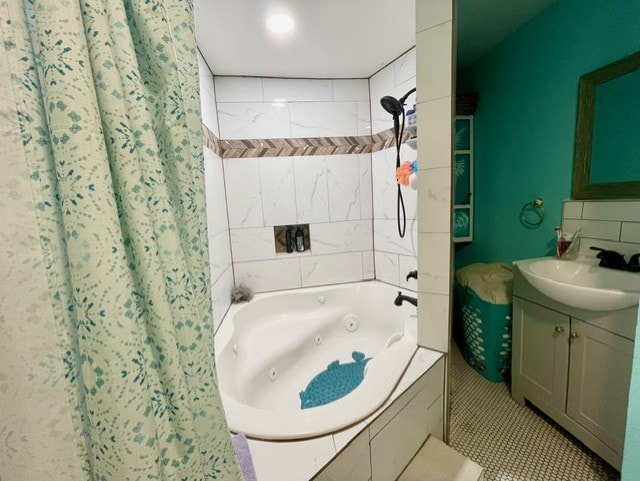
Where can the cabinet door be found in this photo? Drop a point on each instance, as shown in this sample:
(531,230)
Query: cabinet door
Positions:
(540,355)
(599,380)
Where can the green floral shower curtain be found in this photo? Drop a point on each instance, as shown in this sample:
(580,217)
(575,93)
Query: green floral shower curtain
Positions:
(107,101)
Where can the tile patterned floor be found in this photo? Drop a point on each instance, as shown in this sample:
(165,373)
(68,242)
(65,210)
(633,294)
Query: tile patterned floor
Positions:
(512,442)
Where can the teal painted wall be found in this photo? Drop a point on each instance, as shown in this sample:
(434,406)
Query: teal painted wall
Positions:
(525,121)
(615,154)
(524,137)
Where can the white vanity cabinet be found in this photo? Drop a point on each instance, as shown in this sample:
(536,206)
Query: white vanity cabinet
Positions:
(575,366)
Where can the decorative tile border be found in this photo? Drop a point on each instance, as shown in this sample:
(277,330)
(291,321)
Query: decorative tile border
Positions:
(236,149)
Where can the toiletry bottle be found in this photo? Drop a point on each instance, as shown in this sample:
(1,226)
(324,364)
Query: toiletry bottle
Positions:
(412,122)
(289,240)
(299,240)
(558,230)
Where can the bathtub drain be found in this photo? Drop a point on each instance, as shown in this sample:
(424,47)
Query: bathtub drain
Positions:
(318,339)
(273,373)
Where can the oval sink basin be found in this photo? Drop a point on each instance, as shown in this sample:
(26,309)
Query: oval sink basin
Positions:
(582,283)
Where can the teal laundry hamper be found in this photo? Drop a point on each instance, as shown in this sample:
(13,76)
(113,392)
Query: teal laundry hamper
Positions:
(482,320)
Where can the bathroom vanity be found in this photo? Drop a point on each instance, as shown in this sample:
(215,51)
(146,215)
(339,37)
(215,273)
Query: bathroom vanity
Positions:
(574,365)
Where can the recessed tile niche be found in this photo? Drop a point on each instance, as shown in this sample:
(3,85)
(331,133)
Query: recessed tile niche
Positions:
(280,237)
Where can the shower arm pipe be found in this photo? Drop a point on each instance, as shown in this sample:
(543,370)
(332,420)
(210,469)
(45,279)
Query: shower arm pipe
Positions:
(404,98)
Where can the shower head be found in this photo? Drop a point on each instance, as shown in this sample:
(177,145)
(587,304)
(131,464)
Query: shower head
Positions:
(391,105)
(395,106)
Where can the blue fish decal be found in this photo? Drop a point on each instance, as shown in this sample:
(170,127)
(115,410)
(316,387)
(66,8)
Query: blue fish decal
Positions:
(335,382)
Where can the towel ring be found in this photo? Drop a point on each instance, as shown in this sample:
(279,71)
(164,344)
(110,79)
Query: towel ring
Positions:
(537,207)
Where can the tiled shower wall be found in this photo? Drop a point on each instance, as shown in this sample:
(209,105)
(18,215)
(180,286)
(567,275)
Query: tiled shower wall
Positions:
(611,225)
(394,257)
(331,193)
(218,226)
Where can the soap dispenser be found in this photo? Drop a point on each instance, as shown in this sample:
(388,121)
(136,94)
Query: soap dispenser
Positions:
(299,240)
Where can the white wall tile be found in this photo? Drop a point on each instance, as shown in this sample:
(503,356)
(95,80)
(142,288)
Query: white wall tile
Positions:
(382,82)
(435,200)
(336,237)
(410,199)
(312,197)
(384,183)
(596,229)
(278,190)
(610,210)
(434,263)
(219,254)
(405,67)
(625,248)
(271,275)
(292,90)
(387,267)
(238,89)
(331,269)
(254,120)
(253,244)
(435,414)
(406,265)
(343,173)
(401,89)
(221,296)
(202,66)
(386,237)
(630,232)
(208,111)
(364,118)
(350,89)
(572,210)
(432,12)
(244,199)
(206,83)
(323,119)
(290,461)
(352,464)
(434,62)
(434,133)
(394,446)
(215,193)
(368,265)
(433,312)
(366,204)
(380,118)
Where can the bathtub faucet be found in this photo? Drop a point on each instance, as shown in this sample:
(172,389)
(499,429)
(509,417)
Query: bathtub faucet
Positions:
(412,275)
(400,298)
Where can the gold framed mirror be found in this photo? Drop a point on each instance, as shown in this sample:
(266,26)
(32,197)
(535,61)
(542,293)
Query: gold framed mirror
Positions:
(607,155)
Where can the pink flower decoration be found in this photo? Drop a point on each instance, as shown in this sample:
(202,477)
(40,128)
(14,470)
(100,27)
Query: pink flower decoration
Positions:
(403,172)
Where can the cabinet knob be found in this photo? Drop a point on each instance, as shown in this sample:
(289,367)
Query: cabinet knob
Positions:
(559,329)
(575,335)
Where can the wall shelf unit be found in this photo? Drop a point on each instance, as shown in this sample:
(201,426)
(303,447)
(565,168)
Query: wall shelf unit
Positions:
(463,179)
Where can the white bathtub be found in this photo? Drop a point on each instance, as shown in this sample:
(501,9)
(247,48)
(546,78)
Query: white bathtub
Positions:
(268,350)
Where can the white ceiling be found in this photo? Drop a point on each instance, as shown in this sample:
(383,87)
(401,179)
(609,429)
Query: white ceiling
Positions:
(331,38)
(339,38)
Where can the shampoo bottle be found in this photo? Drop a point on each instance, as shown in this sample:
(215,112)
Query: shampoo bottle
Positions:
(299,240)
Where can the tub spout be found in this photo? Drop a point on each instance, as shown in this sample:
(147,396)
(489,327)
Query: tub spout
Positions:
(412,275)
(401,298)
